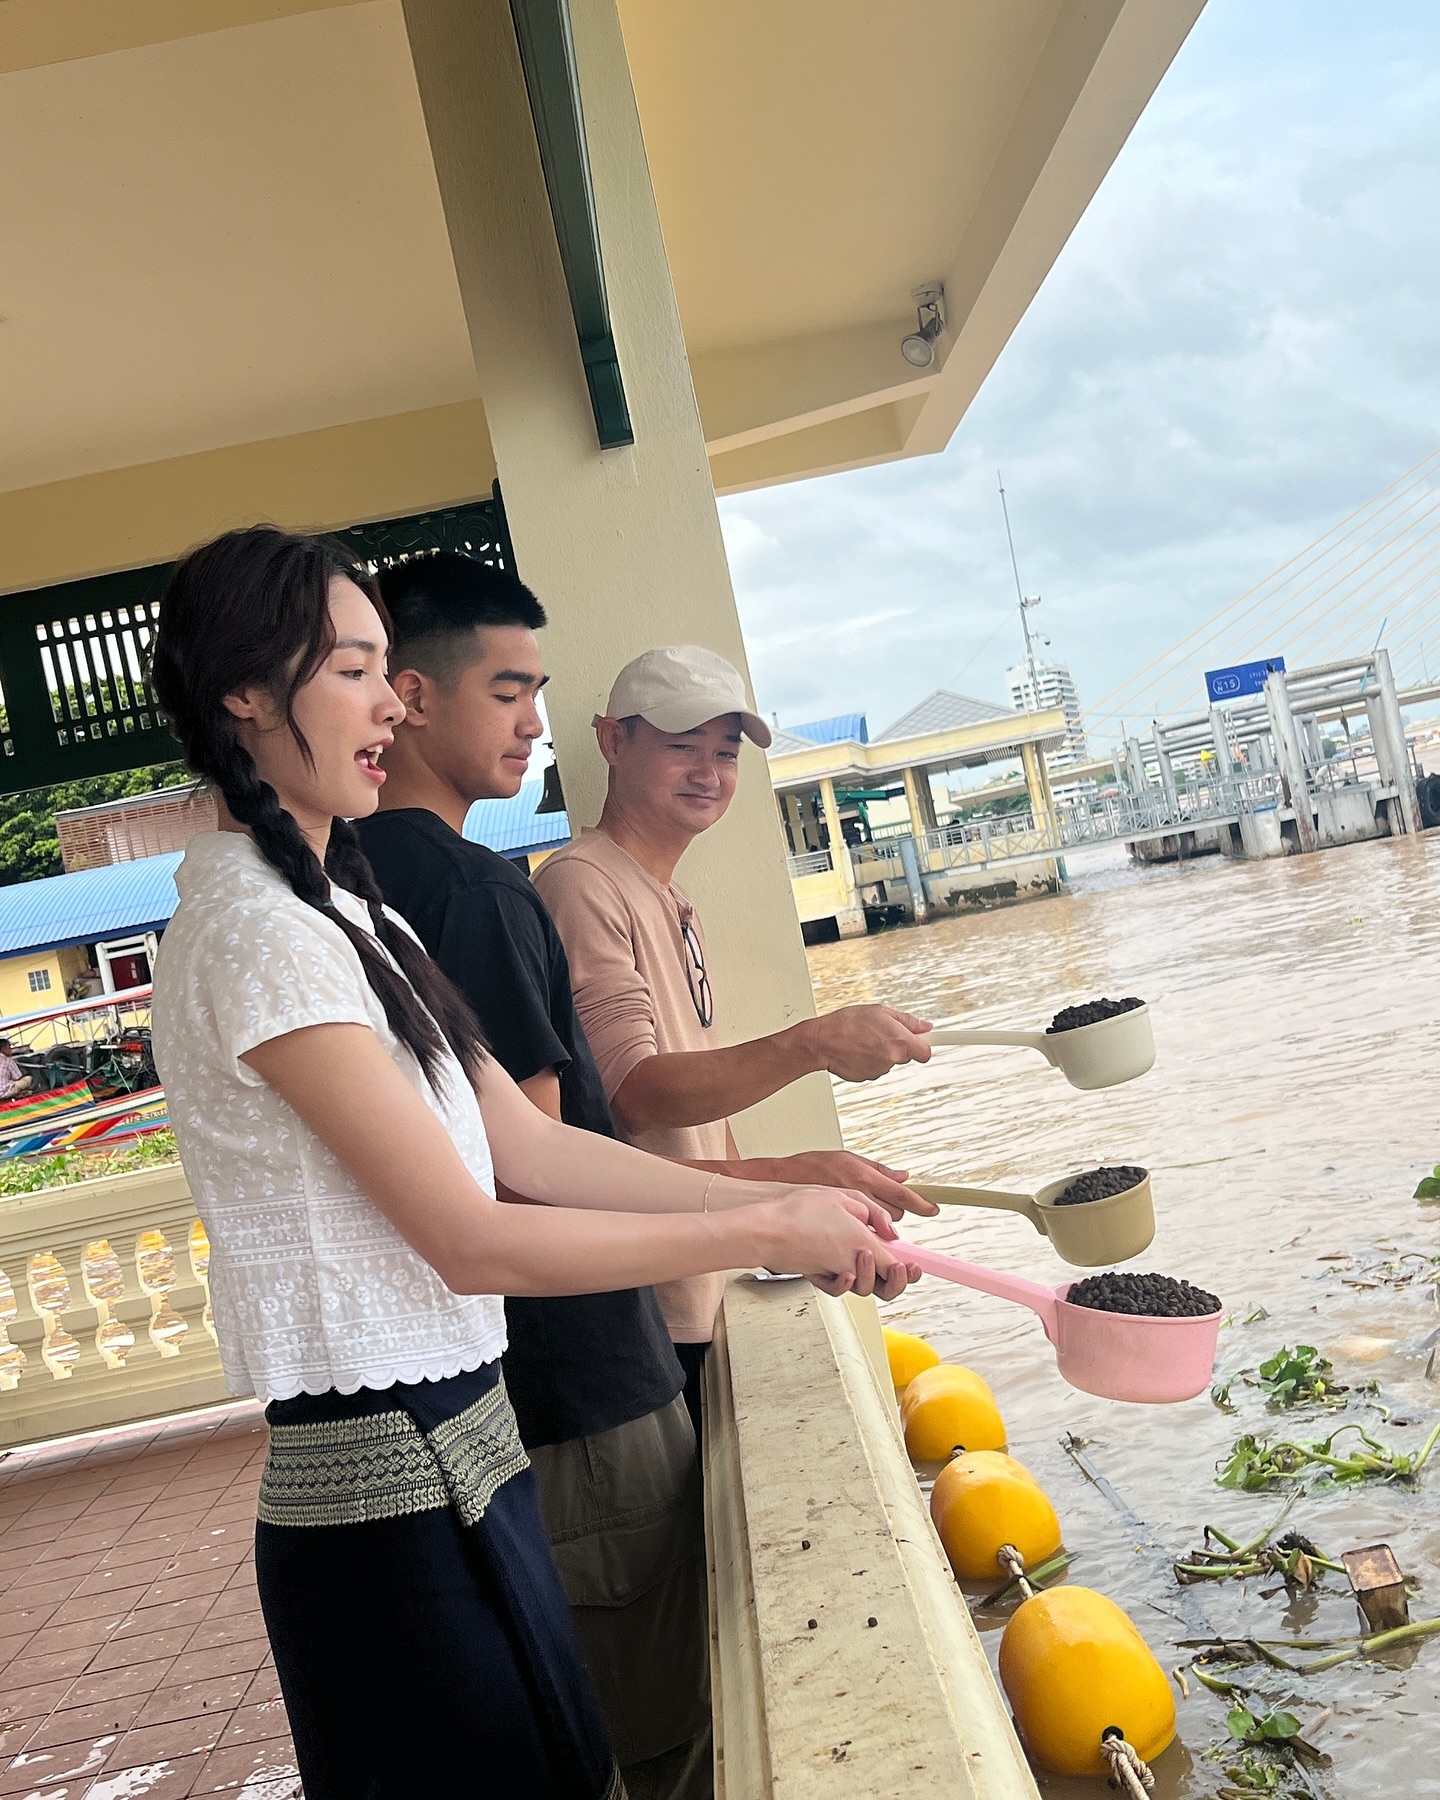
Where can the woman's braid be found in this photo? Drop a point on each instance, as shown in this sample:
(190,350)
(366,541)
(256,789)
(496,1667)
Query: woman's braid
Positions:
(347,864)
(255,803)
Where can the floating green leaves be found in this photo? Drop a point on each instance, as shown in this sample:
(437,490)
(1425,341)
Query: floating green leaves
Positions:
(1263,1752)
(1251,1776)
(1255,1463)
(1293,1557)
(1298,1377)
(1272,1728)
(1429,1188)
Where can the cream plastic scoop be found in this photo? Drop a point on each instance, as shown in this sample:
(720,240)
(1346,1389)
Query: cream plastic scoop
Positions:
(1091,1235)
(1091,1056)
(1120,1356)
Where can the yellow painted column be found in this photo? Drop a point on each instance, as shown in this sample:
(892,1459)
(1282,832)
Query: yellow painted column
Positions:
(795,814)
(851,916)
(1037,783)
(623,546)
(919,802)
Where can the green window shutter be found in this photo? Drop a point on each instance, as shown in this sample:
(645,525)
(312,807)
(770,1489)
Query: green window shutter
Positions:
(74,699)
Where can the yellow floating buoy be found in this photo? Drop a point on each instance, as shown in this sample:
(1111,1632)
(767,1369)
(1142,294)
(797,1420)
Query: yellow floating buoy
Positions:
(948,1408)
(1072,1665)
(985,1499)
(907,1356)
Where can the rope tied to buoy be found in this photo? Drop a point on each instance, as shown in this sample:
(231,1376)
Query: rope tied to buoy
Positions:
(1127,1771)
(1011,1561)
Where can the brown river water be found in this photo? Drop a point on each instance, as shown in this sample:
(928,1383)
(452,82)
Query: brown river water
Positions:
(1293,1106)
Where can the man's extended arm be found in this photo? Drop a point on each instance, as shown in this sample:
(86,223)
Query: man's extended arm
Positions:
(810,1168)
(692,1087)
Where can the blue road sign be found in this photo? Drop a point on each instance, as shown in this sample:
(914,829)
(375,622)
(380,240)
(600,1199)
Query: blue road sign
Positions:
(1244,678)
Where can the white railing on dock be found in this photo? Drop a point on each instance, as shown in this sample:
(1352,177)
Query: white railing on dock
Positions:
(985,841)
(959,846)
(1084,819)
(810,862)
(1107,818)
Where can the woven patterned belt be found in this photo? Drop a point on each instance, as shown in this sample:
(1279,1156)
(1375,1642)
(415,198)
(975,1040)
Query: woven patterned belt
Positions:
(382,1466)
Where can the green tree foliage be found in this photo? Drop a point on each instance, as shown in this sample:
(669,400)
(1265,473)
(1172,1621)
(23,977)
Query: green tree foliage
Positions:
(29,846)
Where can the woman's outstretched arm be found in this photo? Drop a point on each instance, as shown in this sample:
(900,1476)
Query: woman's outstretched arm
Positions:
(343,1084)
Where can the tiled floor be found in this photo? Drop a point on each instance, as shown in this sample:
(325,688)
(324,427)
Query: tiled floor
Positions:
(133,1660)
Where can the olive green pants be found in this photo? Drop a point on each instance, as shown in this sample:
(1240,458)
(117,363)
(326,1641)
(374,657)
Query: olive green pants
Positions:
(625,1515)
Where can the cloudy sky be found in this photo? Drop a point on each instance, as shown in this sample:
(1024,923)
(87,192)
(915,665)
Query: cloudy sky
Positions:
(1239,345)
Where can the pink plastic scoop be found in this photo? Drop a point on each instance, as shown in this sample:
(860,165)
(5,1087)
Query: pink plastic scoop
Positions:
(1120,1356)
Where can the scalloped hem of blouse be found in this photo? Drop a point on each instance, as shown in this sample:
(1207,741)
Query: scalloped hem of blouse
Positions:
(375,1380)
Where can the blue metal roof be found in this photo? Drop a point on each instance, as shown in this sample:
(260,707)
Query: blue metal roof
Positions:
(91,905)
(513,827)
(844,728)
(130,897)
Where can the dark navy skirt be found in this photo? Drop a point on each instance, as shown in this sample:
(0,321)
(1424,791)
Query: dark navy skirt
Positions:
(421,1634)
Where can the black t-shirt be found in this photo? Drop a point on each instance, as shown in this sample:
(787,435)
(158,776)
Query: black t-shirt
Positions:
(584,1363)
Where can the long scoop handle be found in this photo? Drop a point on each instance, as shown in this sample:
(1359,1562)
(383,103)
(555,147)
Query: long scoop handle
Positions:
(994,1198)
(1020,1040)
(964,1034)
(1039,1299)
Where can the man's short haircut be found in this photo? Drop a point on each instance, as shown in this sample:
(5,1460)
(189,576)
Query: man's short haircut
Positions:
(440,604)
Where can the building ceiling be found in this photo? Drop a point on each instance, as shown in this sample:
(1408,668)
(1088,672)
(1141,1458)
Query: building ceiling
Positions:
(815,161)
(217,239)
(221,223)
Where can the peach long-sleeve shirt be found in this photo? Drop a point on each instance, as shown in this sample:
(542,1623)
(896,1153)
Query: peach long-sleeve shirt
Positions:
(621,931)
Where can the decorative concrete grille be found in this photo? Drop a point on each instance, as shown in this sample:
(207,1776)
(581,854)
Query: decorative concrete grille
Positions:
(93,837)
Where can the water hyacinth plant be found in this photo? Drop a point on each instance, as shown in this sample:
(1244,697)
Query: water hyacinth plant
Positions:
(1255,1463)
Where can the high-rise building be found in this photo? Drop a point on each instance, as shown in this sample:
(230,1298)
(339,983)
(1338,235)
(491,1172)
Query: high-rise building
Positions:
(1052,686)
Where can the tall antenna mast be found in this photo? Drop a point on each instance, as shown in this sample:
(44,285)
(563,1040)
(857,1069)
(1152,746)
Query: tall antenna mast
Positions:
(1025,604)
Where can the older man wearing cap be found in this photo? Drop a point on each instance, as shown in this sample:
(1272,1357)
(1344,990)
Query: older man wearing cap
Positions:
(671,735)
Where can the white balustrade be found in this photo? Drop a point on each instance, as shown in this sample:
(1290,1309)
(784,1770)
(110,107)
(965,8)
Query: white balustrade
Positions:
(12,1357)
(119,1325)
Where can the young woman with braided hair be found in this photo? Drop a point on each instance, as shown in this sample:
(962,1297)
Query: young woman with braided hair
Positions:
(342,1130)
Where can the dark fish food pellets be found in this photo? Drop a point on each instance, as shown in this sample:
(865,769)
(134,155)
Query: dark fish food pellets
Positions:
(1153,1296)
(1100,1184)
(1070,1018)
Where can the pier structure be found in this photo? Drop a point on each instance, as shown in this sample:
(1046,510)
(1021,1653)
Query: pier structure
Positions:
(852,864)
(1319,757)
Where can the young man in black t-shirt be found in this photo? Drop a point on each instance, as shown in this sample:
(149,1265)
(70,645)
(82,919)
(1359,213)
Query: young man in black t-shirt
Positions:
(594,1381)
(595,1384)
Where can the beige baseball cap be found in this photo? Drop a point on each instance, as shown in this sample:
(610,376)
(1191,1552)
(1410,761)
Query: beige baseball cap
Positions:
(679,686)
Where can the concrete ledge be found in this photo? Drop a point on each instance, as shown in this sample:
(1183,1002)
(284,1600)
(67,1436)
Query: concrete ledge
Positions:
(816,1528)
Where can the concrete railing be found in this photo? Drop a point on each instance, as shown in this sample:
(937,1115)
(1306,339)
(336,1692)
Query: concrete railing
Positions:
(104,1306)
(844,1661)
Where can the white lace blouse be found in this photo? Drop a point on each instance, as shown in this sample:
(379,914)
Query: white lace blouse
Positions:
(312,1286)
